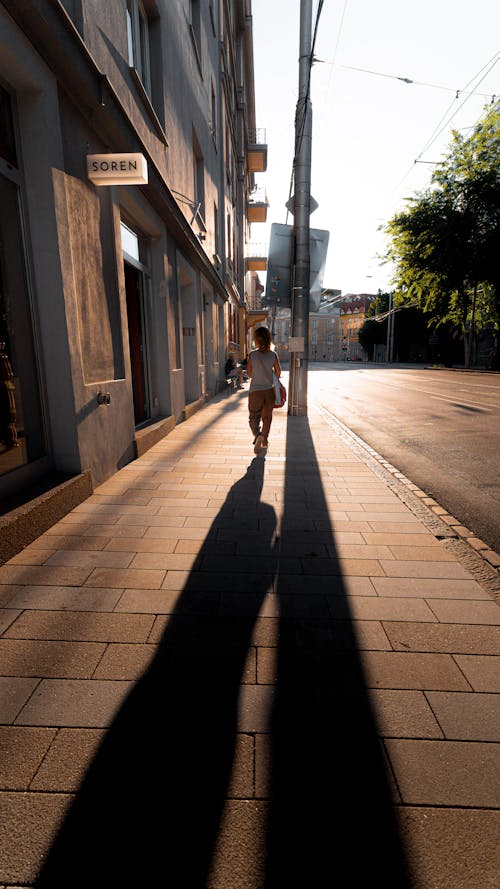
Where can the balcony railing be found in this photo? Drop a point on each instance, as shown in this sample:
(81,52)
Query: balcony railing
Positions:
(256,258)
(257,151)
(257,206)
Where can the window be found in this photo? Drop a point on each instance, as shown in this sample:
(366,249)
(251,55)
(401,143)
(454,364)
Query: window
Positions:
(199,181)
(213,111)
(196,24)
(138,42)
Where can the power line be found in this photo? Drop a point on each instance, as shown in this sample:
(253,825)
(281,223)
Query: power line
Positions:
(409,80)
(437,132)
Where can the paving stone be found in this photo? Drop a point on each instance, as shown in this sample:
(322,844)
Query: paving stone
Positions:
(466,716)
(41,574)
(67,759)
(141,545)
(7,617)
(148,601)
(14,692)
(28,826)
(239,859)
(394,669)
(451,848)
(403,714)
(263,749)
(147,579)
(21,752)
(164,561)
(7,591)
(446,638)
(381,528)
(429,588)
(241,785)
(115,531)
(34,658)
(92,559)
(481,671)
(31,557)
(74,702)
(446,773)
(290,584)
(254,708)
(450,569)
(414,538)
(66,598)
(470,612)
(81,626)
(378,608)
(124,661)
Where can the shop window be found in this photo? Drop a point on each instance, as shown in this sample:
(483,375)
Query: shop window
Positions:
(22,437)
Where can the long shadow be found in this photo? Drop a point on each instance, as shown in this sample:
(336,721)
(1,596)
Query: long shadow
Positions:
(331,819)
(148,812)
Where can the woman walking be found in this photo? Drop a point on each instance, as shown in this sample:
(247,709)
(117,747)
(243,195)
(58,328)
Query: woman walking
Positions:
(262,361)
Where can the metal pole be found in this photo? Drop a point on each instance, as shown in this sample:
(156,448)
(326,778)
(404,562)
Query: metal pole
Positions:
(390,321)
(301,213)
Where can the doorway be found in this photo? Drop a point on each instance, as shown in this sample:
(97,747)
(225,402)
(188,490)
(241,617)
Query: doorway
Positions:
(137,285)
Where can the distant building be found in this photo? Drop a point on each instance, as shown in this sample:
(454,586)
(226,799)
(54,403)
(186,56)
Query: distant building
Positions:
(324,329)
(353,309)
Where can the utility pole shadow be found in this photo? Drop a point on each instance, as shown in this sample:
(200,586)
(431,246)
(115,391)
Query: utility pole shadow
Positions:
(332,819)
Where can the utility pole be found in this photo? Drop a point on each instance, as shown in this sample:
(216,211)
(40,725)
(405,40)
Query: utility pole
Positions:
(390,331)
(302,209)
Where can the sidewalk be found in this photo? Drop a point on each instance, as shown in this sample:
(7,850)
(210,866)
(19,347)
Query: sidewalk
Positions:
(229,672)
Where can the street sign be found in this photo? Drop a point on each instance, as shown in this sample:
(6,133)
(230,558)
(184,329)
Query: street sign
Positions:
(278,280)
(290,204)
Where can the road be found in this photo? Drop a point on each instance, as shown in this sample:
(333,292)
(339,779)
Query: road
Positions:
(440,428)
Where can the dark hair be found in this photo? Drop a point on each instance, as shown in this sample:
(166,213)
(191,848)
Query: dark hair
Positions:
(263,339)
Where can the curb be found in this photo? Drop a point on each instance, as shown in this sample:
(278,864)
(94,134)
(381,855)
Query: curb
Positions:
(477,555)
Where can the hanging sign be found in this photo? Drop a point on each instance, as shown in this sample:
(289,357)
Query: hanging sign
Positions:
(117,169)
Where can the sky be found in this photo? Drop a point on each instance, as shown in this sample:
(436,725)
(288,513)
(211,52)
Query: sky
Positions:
(369,128)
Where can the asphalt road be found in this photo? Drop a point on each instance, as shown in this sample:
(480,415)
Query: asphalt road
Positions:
(440,428)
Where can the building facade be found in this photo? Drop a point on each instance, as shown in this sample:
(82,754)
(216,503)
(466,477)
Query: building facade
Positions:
(118,301)
(324,338)
(353,309)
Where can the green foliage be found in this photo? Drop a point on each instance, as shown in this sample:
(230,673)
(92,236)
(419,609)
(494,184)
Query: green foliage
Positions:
(445,244)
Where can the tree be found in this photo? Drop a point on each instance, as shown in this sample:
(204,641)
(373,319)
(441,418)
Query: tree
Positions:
(444,245)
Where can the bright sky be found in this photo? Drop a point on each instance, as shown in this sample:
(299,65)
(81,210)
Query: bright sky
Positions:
(369,129)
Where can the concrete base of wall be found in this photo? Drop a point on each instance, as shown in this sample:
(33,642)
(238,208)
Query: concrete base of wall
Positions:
(191,409)
(151,435)
(25,522)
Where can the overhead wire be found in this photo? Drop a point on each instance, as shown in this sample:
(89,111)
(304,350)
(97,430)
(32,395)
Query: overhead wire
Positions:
(410,80)
(437,131)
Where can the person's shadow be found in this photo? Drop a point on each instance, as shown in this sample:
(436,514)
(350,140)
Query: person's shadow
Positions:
(149,811)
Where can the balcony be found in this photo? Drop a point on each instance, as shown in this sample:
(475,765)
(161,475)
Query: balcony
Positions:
(257,206)
(256,258)
(257,151)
